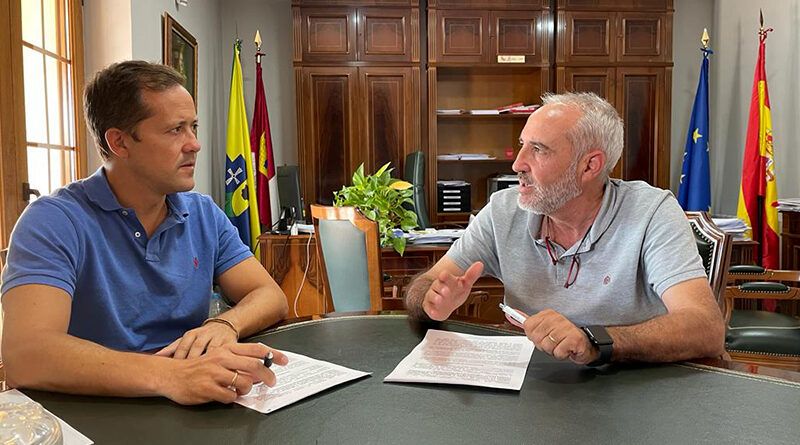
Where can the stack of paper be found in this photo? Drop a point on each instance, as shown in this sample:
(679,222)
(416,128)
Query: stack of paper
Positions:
(735,226)
(487,111)
(465,157)
(450,111)
(789,205)
(433,236)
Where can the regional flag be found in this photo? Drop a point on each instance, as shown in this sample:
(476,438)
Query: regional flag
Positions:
(758,196)
(694,192)
(261,144)
(240,198)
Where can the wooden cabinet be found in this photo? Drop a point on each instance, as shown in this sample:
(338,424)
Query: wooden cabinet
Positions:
(790,240)
(349,115)
(622,51)
(357,77)
(328,129)
(475,36)
(481,55)
(349,34)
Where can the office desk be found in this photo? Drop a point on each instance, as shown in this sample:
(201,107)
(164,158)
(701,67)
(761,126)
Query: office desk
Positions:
(558,403)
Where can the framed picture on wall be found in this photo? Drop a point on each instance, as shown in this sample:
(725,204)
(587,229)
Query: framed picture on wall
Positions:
(180,52)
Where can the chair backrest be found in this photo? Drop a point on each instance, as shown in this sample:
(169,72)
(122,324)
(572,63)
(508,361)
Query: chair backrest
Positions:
(348,246)
(415,174)
(714,247)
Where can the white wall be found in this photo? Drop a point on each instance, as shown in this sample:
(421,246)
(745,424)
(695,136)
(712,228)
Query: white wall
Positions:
(107,39)
(690,17)
(736,22)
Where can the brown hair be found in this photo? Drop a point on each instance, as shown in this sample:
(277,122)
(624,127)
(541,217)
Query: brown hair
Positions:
(113,99)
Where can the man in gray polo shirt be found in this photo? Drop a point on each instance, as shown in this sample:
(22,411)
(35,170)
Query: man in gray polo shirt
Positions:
(608,269)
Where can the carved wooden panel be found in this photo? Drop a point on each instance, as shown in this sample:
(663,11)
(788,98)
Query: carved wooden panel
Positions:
(489,4)
(385,34)
(462,36)
(390,110)
(641,102)
(598,80)
(330,145)
(357,2)
(287,258)
(642,37)
(520,33)
(328,34)
(588,37)
(611,5)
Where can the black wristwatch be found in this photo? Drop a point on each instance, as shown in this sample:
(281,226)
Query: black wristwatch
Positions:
(598,336)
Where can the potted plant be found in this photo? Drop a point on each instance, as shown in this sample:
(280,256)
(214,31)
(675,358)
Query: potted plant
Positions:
(381,198)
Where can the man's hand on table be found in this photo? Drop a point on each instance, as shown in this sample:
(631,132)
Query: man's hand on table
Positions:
(199,340)
(554,334)
(222,374)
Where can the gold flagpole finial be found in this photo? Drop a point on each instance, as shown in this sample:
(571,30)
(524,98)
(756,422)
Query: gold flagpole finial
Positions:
(705,39)
(761,18)
(257,41)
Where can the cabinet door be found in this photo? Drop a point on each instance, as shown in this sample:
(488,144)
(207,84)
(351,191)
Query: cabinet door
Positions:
(642,37)
(642,103)
(328,34)
(329,145)
(585,37)
(388,34)
(390,113)
(597,80)
(462,36)
(519,37)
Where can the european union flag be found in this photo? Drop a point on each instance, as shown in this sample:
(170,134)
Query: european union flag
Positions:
(694,192)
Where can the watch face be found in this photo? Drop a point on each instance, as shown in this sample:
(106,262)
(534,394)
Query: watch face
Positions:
(599,335)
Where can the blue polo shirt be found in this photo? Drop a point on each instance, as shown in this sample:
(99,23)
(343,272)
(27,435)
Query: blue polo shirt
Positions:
(129,292)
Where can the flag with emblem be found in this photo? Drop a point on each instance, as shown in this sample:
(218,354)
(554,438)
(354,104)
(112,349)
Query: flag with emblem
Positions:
(261,144)
(758,195)
(241,205)
(694,192)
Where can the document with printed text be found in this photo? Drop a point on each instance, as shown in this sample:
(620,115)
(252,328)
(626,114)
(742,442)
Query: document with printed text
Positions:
(464,359)
(302,377)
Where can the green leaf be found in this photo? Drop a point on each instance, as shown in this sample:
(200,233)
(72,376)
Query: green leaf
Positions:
(399,244)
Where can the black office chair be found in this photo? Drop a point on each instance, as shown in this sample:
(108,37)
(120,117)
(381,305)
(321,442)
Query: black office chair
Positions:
(415,174)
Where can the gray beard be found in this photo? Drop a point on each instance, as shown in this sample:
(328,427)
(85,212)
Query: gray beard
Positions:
(548,199)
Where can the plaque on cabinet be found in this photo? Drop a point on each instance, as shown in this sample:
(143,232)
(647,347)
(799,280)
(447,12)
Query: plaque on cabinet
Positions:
(510,59)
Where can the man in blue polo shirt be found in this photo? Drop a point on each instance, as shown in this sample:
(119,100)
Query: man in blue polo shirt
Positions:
(122,263)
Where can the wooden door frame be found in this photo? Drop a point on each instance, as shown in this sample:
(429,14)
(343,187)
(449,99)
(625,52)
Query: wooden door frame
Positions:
(13,153)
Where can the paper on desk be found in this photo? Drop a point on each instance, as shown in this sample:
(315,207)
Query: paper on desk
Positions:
(463,359)
(70,435)
(302,377)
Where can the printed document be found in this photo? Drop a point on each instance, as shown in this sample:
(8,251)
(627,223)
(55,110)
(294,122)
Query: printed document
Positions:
(302,377)
(463,359)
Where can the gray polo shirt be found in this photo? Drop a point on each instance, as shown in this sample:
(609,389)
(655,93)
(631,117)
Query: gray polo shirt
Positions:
(639,246)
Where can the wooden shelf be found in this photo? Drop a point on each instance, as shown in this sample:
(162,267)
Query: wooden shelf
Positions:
(484,116)
(476,161)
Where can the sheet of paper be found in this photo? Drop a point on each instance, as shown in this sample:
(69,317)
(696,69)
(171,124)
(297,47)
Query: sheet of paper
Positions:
(464,359)
(70,435)
(302,377)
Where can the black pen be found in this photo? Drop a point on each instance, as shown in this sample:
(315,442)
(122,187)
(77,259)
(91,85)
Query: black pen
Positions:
(268,360)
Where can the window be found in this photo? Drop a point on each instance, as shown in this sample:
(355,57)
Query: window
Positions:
(42,134)
(50,92)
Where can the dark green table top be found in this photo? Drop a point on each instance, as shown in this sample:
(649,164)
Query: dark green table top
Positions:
(558,403)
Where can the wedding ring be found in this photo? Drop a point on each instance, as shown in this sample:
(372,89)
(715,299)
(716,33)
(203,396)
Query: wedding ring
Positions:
(552,339)
(232,386)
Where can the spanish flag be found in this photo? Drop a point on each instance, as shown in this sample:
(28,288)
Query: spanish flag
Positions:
(758,196)
(241,205)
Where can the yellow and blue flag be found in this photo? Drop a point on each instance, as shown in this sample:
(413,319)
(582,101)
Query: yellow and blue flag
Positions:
(694,192)
(241,204)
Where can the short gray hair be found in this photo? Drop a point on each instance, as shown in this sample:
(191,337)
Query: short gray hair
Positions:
(599,126)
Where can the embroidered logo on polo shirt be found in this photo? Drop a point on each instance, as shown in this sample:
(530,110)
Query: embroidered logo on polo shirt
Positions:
(196,262)
(606,280)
